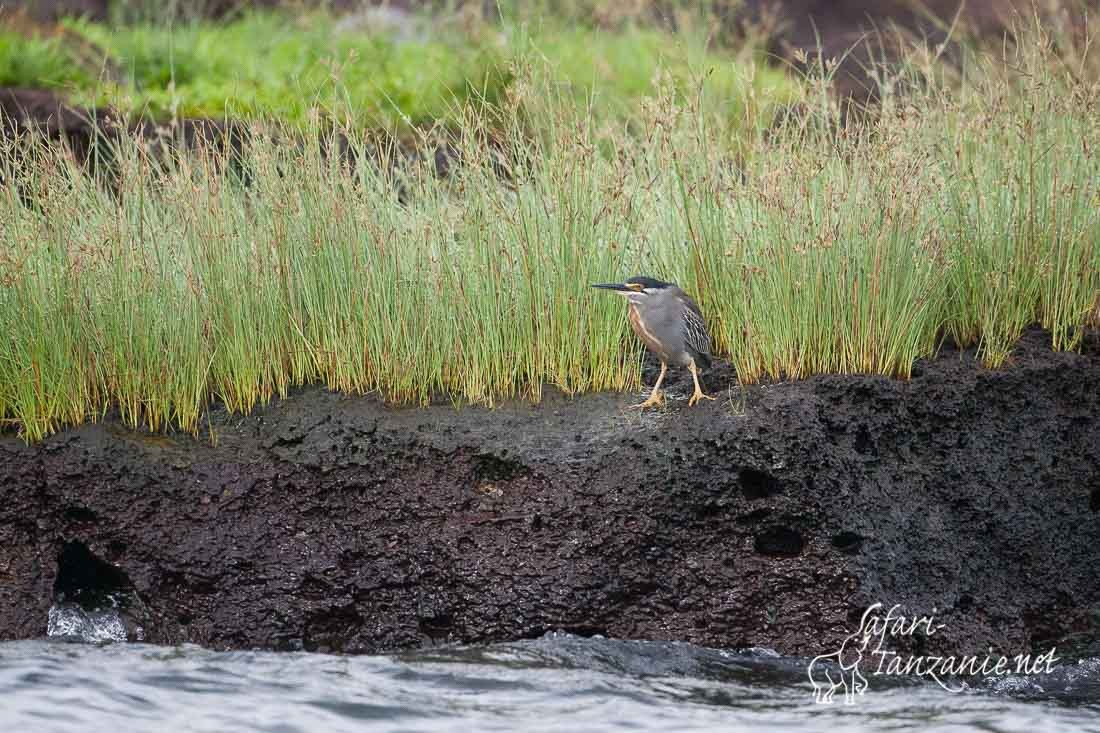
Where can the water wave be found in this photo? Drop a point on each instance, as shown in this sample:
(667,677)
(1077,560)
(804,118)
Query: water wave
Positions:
(555,683)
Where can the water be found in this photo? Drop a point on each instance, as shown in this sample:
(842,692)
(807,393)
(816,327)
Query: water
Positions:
(72,622)
(556,683)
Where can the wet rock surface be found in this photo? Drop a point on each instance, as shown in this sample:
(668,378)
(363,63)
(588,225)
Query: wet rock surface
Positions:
(770,517)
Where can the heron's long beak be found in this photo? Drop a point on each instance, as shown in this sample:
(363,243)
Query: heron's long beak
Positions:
(618,287)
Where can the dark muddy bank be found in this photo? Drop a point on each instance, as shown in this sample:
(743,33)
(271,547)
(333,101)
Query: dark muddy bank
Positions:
(91,134)
(771,517)
(92,139)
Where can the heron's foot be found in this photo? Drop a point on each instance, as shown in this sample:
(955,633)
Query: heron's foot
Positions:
(656,398)
(698,395)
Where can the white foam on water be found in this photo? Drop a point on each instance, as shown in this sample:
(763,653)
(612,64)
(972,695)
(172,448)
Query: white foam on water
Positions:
(70,621)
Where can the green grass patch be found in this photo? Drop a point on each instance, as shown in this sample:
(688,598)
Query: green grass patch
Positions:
(611,75)
(38,62)
(294,68)
(278,67)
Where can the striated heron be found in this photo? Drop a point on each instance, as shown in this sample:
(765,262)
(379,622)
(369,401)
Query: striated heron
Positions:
(670,324)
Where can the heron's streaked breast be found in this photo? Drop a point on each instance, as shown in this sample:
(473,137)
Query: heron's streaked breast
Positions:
(639,327)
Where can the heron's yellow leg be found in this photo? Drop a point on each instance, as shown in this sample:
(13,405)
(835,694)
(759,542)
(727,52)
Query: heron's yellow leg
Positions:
(698,394)
(656,397)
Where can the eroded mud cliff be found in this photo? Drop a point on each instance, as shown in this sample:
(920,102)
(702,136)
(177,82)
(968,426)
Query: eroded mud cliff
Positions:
(770,517)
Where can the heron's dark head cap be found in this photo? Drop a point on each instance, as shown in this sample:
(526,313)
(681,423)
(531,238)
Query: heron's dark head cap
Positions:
(636,284)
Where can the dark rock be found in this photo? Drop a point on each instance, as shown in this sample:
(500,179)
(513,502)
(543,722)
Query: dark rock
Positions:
(51,10)
(23,111)
(862,34)
(380,528)
(43,112)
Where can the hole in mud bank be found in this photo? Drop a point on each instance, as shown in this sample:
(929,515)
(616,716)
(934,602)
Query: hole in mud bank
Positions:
(79,514)
(848,542)
(864,444)
(779,542)
(487,467)
(329,630)
(88,581)
(437,627)
(757,484)
(1094,500)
